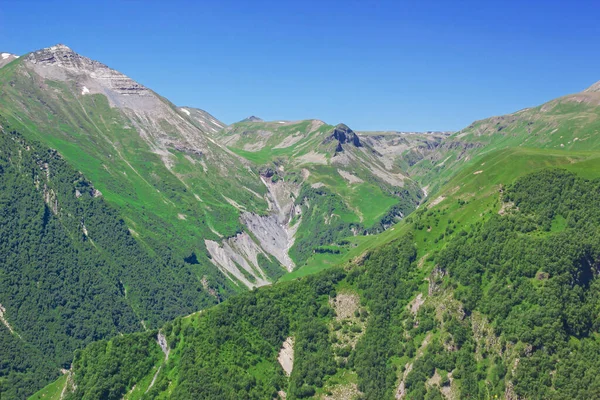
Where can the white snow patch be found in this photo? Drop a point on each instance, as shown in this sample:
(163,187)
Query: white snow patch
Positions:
(5,55)
(185,111)
(85,90)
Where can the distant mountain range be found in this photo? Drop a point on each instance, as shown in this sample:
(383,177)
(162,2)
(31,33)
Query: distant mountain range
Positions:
(123,214)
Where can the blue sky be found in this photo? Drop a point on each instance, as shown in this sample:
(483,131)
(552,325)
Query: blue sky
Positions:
(403,65)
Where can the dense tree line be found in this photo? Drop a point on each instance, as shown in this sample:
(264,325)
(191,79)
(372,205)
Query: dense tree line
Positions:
(227,352)
(530,273)
(70,271)
(386,281)
(533,273)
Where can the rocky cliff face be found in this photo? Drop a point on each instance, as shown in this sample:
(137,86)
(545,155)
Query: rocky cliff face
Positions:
(60,62)
(343,135)
(162,125)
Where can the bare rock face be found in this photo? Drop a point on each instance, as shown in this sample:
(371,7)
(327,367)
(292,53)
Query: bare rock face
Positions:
(62,56)
(162,125)
(343,135)
(594,88)
(252,118)
(286,356)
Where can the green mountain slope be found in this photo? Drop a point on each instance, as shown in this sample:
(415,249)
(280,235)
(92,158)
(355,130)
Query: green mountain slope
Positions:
(70,270)
(505,309)
(174,174)
(567,123)
(327,181)
(143,214)
(488,290)
(175,185)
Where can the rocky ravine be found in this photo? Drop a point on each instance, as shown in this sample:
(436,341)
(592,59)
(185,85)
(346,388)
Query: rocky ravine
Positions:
(271,235)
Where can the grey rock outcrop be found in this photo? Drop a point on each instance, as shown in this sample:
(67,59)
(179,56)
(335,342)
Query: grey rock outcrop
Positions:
(343,135)
(62,56)
(252,118)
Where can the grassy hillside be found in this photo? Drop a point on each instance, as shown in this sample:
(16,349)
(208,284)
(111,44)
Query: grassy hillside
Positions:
(343,185)
(487,289)
(186,195)
(569,124)
(503,309)
(174,187)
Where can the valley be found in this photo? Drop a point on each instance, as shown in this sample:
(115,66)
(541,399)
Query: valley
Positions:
(150,250)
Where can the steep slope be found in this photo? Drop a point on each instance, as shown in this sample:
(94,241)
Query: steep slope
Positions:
(488,290)
(570,122)
(403,148)
(327,183)
(6,58)
(179,190)
(203,120)
(70,270)
(504,310)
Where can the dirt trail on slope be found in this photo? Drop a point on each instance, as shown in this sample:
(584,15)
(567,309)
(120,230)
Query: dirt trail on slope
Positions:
(162,342)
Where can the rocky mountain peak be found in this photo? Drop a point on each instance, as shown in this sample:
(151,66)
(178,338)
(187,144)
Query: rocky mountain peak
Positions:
(59,55)
(595,88)
(60,62)
(252,118)
(343,134)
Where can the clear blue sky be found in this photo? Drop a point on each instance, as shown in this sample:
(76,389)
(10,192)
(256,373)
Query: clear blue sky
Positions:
(405,65)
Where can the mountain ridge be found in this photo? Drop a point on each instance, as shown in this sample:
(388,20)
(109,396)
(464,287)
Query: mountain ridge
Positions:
(396,299)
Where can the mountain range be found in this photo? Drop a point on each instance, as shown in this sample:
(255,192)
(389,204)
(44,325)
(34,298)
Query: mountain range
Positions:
(348,264)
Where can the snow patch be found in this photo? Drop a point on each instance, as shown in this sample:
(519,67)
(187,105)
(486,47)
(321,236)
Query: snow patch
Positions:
(5,55)
(185,111)
(85,90)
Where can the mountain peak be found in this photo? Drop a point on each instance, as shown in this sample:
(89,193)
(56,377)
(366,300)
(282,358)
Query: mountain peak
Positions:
(61,63)
(5,58)
(252,118)
(62,55)
(343,134)
(61,47)
(594,88)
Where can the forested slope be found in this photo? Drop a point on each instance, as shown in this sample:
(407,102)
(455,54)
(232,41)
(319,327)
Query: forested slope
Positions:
(506,307)
(70,270)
